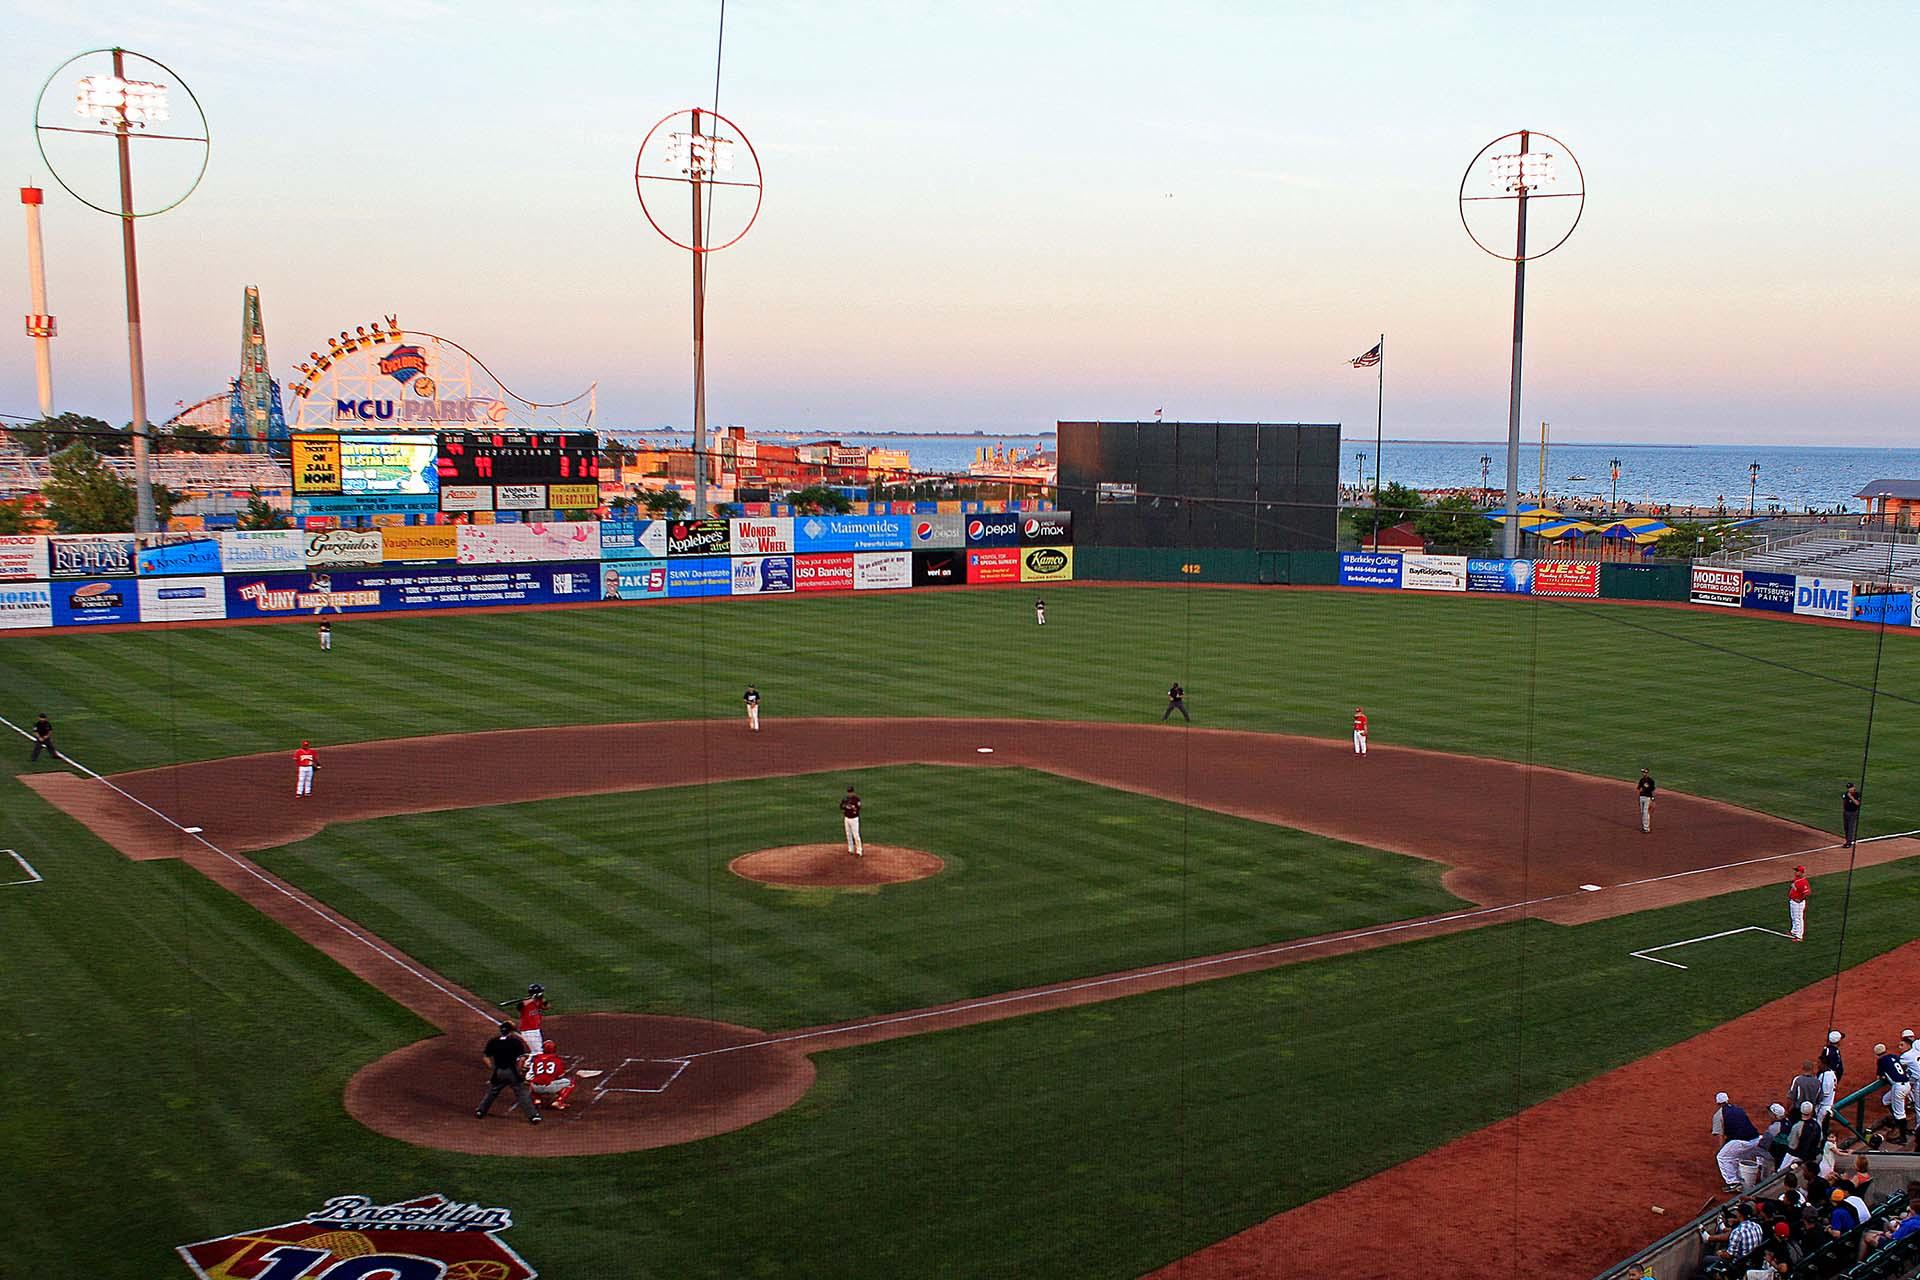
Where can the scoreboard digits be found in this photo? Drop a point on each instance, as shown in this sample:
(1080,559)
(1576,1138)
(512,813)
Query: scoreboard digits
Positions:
(519,457)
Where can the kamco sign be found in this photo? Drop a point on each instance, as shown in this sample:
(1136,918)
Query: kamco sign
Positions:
(352,1238)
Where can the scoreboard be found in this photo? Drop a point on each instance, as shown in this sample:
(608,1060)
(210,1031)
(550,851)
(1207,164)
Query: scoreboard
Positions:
(519,457)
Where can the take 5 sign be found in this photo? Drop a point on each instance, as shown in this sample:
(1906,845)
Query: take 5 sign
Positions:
(352,1238)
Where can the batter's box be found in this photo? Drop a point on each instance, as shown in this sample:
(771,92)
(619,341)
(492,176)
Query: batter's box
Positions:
(643,1075)
(30,876)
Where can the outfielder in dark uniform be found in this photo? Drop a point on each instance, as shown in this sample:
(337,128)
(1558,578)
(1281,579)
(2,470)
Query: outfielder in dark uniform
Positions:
(43,737)
(1850,813)
(503,1054)
(1176,701)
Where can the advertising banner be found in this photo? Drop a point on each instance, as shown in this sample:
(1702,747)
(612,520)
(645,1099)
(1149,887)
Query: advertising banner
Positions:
(448,587)
(183,599)
(1046,564)
(1894,609)
(1566,578)
(385,465)
(1369,569)
(993,530)
(23,557)
(1823,597)
(26,604)
(762,575)
(1114,494)
(823,573)
(78,604)
(633,580)
(1513,577)
(852,533)
(633,539)
(466,497)
(1770,591)
(700,576)
(1714,585)
(263,551)
(519,497)
(527,543)
(422,543)
(327,547)
(698,537)
(882,570)
(91,555)
(771,536)
(165,554)
(573,497)
(1434,573)
(946,568)
(316,465)
(940,530)
(995,564)
(1047,529)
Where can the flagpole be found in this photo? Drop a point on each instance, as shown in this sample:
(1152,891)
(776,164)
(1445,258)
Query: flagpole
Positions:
(1379,410)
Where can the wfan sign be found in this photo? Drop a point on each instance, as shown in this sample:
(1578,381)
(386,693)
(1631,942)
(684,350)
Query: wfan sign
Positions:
(352,1238)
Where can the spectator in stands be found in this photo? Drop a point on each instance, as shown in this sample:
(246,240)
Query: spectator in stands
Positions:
(1805,1088)
(1860,1180)
(1904,1226)
(1849,1214)
(1791,1199)
(1739,1140)
(1746,1237)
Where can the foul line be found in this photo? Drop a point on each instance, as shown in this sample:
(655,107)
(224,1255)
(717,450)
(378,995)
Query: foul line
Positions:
(33,877)
(1772,857)
(1645,952)
(1188,966)
(1139,975)
(242,864)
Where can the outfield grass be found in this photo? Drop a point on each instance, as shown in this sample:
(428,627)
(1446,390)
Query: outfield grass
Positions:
(624,902)
(1766,713)
(182,1058)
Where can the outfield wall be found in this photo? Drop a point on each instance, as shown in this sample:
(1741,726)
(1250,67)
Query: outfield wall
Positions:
(1842,599)
(83,580)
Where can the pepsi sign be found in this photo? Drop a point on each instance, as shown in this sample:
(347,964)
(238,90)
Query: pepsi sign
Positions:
(994,530)
(1046,529)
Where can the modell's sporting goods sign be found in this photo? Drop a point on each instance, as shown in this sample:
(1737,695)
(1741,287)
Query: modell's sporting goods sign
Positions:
(352,1238)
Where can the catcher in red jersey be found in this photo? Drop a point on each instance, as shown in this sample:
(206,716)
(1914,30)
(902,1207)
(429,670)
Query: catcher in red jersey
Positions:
(547,1074)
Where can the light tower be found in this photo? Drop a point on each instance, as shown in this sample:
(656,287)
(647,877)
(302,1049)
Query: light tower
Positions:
(41,327)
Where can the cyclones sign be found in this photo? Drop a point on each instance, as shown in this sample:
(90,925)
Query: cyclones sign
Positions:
(351,1238)
(382,375)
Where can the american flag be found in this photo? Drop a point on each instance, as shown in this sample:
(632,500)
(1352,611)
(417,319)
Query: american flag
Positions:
(1368,360)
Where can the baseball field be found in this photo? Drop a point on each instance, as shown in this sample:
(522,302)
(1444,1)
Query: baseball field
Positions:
(1153,984)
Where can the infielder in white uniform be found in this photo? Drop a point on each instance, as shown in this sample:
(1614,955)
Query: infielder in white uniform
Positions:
(1040,612)
(850,818)
(752,699)
(303,762)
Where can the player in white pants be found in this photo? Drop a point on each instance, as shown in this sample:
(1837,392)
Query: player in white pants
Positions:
(303,762)
(752,699)
(1040,612)
(850,819)
(1359,732)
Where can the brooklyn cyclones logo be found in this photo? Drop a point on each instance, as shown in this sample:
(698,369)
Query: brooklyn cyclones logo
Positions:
(404,363)
(352,1238)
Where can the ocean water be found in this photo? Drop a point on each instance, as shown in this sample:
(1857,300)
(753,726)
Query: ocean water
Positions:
(1791,477)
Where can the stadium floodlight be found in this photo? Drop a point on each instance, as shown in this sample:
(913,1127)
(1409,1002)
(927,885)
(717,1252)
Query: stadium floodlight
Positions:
(1526,173)
(125,109)
(698,156)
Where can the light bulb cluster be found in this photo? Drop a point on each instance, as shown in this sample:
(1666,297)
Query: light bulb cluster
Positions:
(115,102)
(1523,171)
(699,155)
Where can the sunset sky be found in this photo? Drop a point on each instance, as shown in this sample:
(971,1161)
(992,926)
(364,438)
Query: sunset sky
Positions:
(998,215)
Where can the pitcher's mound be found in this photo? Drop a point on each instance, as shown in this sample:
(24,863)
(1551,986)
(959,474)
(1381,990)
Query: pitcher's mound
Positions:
(830,866)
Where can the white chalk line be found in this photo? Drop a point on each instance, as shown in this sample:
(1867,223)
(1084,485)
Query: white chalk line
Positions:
(1187,966)
(33,877)
(1645,952)
(488,1015)
(605,1087)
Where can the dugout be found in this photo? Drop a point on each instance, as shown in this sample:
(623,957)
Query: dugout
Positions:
(1262,486)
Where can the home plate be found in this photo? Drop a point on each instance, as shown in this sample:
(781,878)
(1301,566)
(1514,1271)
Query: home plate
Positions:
(985,751)
(1591,888)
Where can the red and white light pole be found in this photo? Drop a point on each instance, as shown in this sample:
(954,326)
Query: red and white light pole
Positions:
(41,326)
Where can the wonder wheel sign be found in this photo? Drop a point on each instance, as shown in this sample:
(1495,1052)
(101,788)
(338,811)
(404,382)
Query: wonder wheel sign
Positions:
(380,376)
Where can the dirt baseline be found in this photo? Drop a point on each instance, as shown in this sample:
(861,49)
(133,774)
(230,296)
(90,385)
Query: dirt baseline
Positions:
(1507,831)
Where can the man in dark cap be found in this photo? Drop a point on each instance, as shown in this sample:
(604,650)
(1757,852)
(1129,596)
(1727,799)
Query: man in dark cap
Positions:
(503,1054)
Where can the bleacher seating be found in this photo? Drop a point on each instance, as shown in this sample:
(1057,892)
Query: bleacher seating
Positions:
(1837,555)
